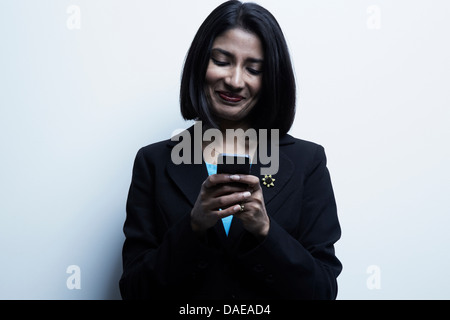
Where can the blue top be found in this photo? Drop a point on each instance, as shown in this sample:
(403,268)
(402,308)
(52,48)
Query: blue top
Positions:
(212,169)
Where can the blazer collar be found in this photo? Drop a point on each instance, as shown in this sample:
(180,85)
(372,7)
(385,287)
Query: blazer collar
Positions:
(280,179)
(189,177)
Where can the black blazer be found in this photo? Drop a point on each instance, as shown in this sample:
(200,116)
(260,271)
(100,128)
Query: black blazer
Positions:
(163,258)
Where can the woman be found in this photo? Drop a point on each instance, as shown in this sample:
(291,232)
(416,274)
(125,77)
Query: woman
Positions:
(192,233)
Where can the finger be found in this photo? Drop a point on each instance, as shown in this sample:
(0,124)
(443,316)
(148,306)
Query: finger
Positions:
(234,209)
(250,180)
(217,179)
(229,200)
(227,188)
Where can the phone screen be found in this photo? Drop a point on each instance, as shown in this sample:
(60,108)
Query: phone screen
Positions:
(233,163)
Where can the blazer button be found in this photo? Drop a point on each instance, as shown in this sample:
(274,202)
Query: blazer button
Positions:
(202,264)
(269,278)
(258,268)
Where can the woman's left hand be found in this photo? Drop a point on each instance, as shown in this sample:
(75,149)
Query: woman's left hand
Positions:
(254,215)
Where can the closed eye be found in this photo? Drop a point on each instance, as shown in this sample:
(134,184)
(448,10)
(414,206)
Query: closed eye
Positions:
(254,72)
(219,63)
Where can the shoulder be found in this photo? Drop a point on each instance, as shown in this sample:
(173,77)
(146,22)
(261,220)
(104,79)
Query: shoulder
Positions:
(311,163)
(295,145)
(153,155)
(160,152)
(305,154)
(156,148)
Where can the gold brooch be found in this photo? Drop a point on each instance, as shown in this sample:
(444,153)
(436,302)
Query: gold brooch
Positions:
(268,181)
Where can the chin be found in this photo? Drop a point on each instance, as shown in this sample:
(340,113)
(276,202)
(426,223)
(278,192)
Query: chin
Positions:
(228,116)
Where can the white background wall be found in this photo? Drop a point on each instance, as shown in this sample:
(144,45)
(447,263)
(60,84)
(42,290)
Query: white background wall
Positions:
(78,101)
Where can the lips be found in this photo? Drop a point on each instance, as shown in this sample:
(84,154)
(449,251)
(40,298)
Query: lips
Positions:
(230,97)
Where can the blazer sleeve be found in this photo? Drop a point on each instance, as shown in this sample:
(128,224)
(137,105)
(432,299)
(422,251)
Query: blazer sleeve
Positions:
(304,267)
(153,265)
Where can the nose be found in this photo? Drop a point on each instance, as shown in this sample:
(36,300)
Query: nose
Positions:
(235,79)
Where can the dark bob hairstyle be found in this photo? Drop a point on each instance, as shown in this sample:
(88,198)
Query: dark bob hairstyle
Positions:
(276,105)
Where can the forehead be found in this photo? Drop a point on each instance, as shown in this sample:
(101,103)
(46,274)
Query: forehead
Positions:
(240,42)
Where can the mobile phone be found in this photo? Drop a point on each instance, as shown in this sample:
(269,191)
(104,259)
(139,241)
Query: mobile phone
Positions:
(233,163)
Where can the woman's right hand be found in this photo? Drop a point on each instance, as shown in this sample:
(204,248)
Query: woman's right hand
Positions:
(218,191)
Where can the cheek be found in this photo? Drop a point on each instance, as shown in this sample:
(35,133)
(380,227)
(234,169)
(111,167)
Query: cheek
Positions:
(212,75)
(255,87)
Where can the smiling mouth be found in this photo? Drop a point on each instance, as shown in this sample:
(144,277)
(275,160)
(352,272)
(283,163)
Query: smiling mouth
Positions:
(230,97)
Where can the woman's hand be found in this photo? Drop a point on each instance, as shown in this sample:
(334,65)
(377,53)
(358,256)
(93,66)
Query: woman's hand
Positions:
(218,192)
(254,215)
(238,195)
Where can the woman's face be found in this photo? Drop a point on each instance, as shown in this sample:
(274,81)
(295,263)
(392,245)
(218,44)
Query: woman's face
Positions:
(234,75)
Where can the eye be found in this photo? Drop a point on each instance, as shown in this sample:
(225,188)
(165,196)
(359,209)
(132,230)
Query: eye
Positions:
(254,72)
(219,63)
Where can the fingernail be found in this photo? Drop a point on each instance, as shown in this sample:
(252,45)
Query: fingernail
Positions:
(246,194)
(235,177)
(237,208)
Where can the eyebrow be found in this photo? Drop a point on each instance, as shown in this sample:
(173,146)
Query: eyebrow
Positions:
(229,54)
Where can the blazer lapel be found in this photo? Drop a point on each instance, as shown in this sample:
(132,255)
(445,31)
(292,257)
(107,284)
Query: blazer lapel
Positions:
(282,177)
(188,177)
(279,180)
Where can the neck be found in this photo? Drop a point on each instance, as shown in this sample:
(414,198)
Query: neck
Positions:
(233,125)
